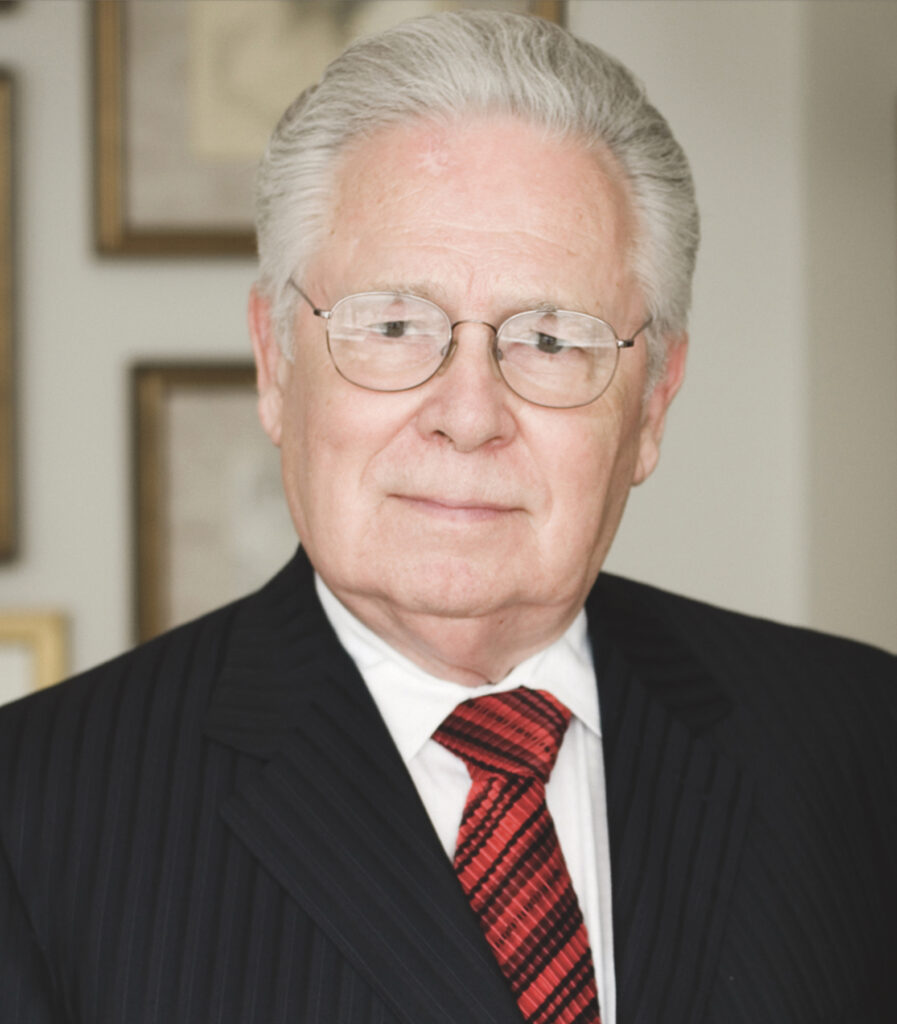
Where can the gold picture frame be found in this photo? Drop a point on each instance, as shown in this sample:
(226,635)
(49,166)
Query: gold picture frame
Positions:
(211,522)
(33,652)
(8,500)
(180,117)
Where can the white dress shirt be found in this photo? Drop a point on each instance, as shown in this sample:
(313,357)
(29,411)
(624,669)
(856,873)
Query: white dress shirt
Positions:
(414,703)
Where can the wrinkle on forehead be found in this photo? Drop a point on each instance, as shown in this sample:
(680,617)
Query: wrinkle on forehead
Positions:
(440,196)
(490,262)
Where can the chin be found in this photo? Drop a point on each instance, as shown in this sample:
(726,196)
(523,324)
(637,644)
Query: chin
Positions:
(449,587)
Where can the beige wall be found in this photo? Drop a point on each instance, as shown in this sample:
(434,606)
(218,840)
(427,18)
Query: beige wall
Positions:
(849,136)
(777,485)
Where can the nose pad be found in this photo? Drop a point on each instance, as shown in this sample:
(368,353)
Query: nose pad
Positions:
(496,356)
(447,354)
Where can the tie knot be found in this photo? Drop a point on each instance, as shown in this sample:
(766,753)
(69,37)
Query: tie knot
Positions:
(514,733)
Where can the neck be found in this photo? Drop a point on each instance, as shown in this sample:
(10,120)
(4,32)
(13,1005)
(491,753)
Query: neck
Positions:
(471,651)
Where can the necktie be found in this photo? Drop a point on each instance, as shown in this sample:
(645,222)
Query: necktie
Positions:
(508,858)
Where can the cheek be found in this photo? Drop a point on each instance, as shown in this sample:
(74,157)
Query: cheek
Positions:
(305,449)
(592,472)
(333,435)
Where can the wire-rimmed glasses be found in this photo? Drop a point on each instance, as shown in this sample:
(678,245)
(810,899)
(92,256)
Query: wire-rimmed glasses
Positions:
(390,341)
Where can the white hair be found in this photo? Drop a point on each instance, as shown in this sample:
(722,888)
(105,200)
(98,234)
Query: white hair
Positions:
(446,65)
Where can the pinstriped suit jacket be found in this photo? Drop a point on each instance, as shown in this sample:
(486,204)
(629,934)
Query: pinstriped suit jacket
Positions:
(217,827)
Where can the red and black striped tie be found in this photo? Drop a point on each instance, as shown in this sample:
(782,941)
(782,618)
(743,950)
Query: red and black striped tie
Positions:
(508,857)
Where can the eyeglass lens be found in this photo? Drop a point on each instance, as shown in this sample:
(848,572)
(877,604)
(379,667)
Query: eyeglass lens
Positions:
(390,342)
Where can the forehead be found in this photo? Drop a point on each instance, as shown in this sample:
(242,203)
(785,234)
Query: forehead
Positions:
(493,197)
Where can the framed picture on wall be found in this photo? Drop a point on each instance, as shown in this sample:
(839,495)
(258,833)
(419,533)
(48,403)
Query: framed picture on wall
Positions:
(32,652)
(211,519)
(186,94)
(7,323)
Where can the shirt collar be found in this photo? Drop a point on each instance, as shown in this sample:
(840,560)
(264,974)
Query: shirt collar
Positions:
(414,703)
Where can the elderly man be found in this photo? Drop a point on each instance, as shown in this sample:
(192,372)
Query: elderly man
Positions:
(434,772)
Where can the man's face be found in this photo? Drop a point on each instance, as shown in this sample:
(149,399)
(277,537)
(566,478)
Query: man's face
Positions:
(458,498)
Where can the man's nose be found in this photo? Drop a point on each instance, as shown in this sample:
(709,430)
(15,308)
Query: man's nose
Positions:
(467,401)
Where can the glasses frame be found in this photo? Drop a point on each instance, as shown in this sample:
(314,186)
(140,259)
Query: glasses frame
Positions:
(326,314)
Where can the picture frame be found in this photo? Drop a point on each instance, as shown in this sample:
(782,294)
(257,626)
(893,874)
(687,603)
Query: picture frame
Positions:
(211,521)
(33,652)
(8,497)
(181,115)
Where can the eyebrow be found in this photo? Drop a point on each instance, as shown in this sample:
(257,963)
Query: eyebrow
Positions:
(428,290)
(423,289)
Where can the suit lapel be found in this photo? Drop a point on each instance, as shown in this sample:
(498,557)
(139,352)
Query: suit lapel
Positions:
(331,812)
(677,809)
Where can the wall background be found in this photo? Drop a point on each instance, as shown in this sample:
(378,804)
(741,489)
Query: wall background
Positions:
(777,490)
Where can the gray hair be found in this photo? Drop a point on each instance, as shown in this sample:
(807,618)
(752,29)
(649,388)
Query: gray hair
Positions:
(445,65)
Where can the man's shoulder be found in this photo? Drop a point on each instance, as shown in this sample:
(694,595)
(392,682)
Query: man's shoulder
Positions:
(795,707)
(160,677)
(106,734)
(737,646)
(167,683)
(191,653)
(619,596)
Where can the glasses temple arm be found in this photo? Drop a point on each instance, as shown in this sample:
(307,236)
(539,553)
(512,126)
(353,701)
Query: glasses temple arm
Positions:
(629,342)
(323,313)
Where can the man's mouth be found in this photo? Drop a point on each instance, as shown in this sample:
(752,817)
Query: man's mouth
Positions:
(457,509)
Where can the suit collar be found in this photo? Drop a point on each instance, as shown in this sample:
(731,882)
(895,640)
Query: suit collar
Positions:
(281,634)
(281,657)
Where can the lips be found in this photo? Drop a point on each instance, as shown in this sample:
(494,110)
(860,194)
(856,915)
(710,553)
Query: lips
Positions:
(460,502)
(458,508)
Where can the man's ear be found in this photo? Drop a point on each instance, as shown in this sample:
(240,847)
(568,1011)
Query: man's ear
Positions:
(269,365)
(655,412)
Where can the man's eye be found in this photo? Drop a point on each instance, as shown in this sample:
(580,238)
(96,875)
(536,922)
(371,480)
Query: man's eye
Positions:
(391,328)
(549,343)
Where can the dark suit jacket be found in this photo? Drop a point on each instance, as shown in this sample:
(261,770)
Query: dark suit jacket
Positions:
(217,827)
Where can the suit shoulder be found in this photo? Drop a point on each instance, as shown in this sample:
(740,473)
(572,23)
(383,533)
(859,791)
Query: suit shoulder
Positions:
(789,703)
(166,677)
(750,654)
(703,620)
